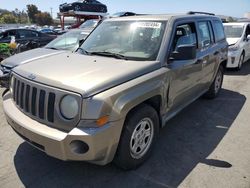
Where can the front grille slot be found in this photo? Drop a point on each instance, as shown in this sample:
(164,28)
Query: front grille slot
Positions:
(33,101)
(51,105)
(27,99)
(41,104)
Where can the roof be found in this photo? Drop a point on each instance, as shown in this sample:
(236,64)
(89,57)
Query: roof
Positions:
(236,23)
(159,17)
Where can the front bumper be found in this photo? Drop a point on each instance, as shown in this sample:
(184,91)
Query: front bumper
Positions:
(102,142)
(233,59)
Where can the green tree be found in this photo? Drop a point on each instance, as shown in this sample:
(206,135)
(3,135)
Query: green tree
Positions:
(230,19)
(32,10)
(8,18)
(44,18)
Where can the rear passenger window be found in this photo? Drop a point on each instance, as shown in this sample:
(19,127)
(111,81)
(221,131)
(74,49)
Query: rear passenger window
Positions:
(205,35)
(185,34)
(219,31)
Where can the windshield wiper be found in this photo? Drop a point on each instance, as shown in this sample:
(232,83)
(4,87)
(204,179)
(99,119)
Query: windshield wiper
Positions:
(83,50)
(110,54)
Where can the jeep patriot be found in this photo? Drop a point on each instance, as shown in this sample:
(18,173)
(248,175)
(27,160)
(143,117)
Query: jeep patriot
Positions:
(108,100)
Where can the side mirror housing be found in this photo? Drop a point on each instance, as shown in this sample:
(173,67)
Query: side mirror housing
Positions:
(184,52)
(248,37)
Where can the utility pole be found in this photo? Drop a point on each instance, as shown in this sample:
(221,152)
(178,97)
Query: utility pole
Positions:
(51,12)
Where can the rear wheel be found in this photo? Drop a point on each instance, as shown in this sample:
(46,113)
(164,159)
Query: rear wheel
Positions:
(241,61)
(216,85)
(139,133)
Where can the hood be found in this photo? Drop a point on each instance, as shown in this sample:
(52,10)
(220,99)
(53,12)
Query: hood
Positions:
(84,74)
(29,56)
(232,41)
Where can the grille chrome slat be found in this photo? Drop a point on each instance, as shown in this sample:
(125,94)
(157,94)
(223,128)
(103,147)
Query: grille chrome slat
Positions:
(46,102)
(17,92)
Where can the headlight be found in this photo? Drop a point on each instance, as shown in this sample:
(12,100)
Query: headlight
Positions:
(69,107)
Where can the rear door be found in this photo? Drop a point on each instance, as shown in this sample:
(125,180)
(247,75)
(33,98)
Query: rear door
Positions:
(208,52)
(185,76)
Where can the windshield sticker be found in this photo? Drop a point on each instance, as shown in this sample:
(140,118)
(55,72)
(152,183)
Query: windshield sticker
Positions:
(237,26)
(155,25)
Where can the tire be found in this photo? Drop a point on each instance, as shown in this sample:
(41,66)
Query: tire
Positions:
(138,137)
(215,88)
(241,61)
(77,8)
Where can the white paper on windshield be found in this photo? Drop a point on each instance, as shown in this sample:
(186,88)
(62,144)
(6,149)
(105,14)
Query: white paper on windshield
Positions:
(155,25)
(237,26)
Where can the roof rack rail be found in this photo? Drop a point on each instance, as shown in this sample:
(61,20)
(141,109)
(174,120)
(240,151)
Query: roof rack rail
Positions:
(206,13)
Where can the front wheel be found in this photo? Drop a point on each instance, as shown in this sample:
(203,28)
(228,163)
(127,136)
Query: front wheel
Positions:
(216,85)
(139,133)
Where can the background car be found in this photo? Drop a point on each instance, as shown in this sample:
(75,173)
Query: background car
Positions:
(23,36)
(48,31)
(84,5)
(69,41)
(238,38)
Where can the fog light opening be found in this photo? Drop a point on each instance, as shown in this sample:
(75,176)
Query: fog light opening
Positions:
(79,147)
(233,60)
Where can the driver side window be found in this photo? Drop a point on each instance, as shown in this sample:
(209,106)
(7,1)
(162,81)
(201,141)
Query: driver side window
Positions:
(185,34)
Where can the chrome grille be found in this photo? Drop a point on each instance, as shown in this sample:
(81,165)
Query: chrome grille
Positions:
(41,102)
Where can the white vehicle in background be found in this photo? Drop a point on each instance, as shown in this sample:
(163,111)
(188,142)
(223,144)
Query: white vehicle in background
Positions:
(238,38)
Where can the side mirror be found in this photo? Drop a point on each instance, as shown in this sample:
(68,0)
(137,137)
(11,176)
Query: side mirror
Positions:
(248,37)
(184,52)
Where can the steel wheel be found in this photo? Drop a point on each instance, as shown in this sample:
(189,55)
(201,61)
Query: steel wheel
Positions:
(218,81)
(141,138)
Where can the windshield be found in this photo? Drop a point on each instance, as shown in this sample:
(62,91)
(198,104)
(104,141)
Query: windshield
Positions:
(233,31)
(67,41)
(134,40)
(89,23)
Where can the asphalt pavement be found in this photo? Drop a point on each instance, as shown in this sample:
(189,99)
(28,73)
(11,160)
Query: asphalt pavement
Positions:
(206,145)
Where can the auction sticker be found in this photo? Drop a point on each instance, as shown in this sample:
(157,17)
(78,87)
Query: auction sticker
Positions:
(155,25)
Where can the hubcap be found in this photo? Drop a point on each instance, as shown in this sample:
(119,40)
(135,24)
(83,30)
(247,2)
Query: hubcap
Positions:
(218,81)
(141,138)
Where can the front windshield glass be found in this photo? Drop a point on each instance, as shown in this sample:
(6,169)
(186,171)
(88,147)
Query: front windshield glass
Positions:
(233,31)
(89,23)
(67,41)
(133,40)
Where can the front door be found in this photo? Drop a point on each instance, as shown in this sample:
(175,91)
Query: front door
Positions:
(185,75)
